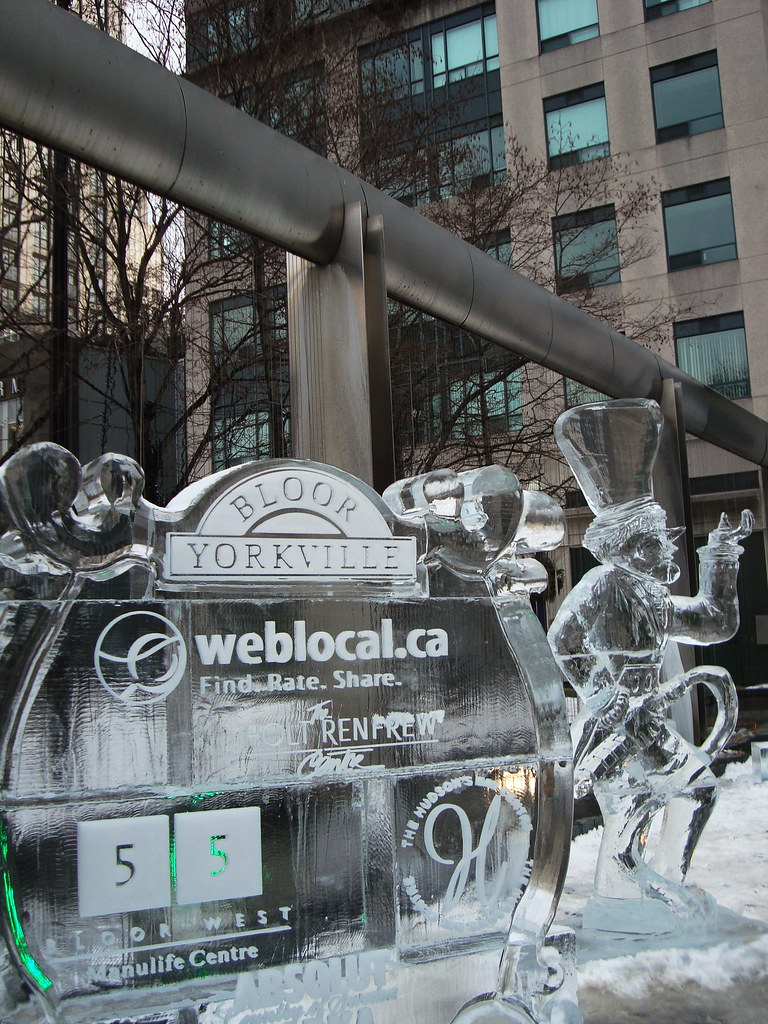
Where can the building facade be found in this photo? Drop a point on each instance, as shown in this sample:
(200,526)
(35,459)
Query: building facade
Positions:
(613,150)
(676,85)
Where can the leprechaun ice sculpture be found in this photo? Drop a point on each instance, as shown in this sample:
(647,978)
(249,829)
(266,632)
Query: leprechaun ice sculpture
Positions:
(609,639)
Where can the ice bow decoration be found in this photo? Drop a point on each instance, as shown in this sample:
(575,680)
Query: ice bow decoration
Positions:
(59,518)
(481,524)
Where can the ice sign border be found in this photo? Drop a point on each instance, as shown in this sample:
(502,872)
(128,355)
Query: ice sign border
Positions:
(444,541)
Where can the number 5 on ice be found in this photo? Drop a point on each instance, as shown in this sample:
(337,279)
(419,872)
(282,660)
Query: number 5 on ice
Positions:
(124,864)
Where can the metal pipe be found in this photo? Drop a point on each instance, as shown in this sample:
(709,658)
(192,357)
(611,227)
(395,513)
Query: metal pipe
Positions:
(72,87)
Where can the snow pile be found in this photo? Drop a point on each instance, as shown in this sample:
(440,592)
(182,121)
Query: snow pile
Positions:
(730,861)
(716,968)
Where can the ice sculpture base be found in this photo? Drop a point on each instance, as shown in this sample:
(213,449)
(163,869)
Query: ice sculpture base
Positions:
(722,927)
(537,984)
(633,916)
(429,990)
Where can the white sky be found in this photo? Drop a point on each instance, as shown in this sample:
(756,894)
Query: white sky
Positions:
(155,29)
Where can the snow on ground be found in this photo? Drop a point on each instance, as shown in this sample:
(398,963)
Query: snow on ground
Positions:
(730,862)
(714,976)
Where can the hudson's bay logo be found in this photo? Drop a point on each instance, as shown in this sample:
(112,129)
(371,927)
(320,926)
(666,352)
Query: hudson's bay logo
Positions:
(464,853)
(140,657)
(297,522)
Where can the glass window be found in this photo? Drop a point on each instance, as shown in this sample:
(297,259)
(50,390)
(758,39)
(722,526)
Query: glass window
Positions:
(297,108)
(563,22)
(491,37)
(305,9)
(321,9)
(480,404)
(404,176)
(250,378)
(9,282)
(232,325)
(94,265)
(713,349)
(394,73)
(499,245)
(10,218)
(473,159)
(698,223)
(449,385)
(224,240)
(10,422)
(659,8)
(73,284)
(580,394)
(577,126)
(686,97)
(433,123)
(586,249)
(217,33)
(504,407)
(38,259)
(239,437)
(464,50)
(237,26)
(198,49)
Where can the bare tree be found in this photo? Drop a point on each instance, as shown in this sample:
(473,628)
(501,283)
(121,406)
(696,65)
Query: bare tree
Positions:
(130,282)
(574,228)
(353,89)
(138,269)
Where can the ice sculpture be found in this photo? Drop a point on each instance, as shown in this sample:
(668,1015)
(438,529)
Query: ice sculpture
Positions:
(609,638)
(283,748)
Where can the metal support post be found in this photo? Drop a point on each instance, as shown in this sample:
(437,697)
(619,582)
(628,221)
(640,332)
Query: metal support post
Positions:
(672,491)
(341,410)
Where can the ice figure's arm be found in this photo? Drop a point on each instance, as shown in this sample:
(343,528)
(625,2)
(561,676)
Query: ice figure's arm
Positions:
(712,616)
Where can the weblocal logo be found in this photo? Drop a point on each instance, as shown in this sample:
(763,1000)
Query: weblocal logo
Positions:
(140,657)
(273,645)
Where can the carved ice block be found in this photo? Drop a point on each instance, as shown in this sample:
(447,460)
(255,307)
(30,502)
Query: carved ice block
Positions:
(277,748)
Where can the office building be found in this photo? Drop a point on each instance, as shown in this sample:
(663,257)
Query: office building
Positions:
(655,107)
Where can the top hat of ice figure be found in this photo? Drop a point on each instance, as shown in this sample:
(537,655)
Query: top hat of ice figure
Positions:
(611,448)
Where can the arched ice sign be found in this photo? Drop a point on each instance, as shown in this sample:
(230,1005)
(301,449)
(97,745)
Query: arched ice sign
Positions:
(283,747)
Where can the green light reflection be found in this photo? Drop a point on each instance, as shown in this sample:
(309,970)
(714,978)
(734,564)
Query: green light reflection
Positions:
(172,860)
(19,939)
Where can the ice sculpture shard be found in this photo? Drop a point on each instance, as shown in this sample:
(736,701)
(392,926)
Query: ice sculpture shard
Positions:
(283,748)
(609,638)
